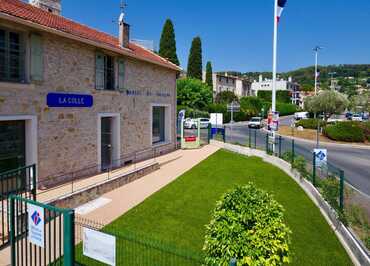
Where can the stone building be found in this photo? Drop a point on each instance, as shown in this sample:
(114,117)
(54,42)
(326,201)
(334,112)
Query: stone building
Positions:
(74,98)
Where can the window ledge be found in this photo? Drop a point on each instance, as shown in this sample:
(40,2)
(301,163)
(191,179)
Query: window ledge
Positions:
(13,85)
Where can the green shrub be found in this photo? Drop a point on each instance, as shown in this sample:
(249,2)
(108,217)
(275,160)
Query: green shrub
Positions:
(247,224)
(281,96)
(299,164)
(330,191)
(345,131)
(286,108)
(193,113)
(310,123)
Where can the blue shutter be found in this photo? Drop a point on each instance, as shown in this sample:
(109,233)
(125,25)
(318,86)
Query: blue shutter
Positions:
(99,71)
(121,74)
(37,61)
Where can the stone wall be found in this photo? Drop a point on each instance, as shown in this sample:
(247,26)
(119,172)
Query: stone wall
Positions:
(67,137)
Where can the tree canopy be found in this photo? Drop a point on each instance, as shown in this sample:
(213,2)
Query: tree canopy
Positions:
(327,103)
(226,97)
(167,46)
(193,93)
(209,71)
(195,64)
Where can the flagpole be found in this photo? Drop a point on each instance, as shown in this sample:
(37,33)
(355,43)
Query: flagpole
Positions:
(274,64)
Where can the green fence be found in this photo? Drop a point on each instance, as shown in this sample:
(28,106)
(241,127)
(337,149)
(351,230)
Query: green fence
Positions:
(134,249)
(351,205)
(21,182)
(55,247)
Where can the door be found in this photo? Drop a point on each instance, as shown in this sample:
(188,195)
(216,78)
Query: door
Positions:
(12,145)
(106,143)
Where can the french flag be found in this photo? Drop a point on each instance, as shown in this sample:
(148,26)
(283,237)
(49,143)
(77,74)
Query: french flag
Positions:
(280,7)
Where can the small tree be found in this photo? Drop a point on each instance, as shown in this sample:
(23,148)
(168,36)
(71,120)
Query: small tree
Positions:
(167,47)
(209,71)
(360,103)
(195,64)
(327,103)
(226,97)
(193,93)
(251,106)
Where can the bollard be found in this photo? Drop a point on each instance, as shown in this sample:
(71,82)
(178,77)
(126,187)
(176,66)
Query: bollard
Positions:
(341,190)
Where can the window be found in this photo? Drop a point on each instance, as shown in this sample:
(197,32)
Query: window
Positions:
(105,72)
(159,124)
(12,60)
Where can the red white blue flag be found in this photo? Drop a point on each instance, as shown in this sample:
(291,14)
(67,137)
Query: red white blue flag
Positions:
(280,8)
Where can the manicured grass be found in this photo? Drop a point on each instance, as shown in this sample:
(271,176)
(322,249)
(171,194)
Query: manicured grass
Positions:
(178,213)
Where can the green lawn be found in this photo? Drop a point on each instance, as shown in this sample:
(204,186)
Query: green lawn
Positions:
(178,213)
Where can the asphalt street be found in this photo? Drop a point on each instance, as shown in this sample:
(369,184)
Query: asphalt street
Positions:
(355,162)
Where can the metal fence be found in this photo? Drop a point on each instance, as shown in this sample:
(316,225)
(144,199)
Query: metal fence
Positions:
(351,205)
(133,248)
(18,182)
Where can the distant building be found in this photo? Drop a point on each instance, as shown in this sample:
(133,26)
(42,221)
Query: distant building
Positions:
(224,82)
(281,85)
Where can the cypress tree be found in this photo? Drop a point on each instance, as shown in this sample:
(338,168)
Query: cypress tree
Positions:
(209,78)
(195,59)
(167,46)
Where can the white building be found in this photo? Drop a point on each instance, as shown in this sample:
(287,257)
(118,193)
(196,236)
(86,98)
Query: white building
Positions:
(225,82)
(281,85)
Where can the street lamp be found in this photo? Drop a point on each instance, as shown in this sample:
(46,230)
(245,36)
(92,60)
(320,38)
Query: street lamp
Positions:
(316,50)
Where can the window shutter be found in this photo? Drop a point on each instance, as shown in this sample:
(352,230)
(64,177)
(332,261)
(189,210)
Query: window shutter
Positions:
(37,62)
(99,70)
(121,74)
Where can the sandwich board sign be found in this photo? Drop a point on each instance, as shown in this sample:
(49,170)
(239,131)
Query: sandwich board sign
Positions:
(36,222)
(99,246)
(321,156)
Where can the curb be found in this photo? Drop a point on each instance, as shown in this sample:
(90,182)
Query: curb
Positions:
(355,251)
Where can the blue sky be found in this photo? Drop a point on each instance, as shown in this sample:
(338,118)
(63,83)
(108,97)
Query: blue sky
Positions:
(237,34)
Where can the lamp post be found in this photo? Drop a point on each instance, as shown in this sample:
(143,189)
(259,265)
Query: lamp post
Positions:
(316,50)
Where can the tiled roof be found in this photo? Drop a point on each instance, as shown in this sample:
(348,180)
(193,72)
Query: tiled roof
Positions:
(36,15)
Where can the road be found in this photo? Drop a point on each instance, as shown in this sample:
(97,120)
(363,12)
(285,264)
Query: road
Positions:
(355,162)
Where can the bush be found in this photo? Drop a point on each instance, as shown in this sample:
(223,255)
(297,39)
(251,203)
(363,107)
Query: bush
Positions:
(281,96)
(286,108)
(345,131)
(310,123)
(247,224)
(330,191)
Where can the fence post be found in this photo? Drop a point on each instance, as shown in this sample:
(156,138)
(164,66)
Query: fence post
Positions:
(341,190)
(293,151)
(267,144)
(250,137)
(34,189)
(224,135)
(314,169)
(12,230)
(233,262)
(255,138)
(209,132)
(69,235)
(280,139)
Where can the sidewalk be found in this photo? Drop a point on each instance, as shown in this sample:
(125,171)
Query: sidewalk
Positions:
(125,198)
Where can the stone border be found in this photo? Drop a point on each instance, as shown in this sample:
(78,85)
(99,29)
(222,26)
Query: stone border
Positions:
(356,252)
(94,191)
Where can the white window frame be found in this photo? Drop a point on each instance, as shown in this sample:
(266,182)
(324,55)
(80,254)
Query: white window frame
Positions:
(30,136)
(167,124)
(116,141)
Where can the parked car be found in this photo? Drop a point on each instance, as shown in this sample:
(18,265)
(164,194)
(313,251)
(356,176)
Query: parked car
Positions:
(193,123)
(349,115)
(204,122)
(256,122)
(357,117)
(365,116)
(301,115)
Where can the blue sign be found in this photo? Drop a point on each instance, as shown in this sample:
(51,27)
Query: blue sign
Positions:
(69,100)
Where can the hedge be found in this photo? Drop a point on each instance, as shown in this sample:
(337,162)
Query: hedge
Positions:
(281,96)
(248,225)
(310,123)
(286,108)
(347,131)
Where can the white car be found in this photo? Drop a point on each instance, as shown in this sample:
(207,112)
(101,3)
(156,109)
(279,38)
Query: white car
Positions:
(256,122)
(301,115)
(193,123)
(357,117)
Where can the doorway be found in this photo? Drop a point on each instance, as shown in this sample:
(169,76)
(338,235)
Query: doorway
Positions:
(108,140)
(106,143)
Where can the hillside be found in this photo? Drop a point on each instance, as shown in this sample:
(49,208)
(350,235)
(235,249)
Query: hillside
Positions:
(348,76)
